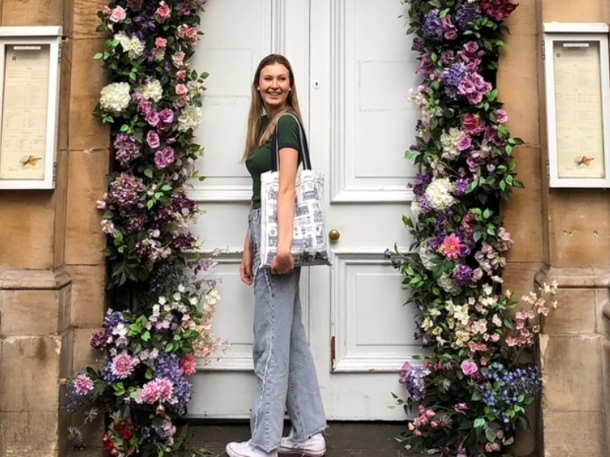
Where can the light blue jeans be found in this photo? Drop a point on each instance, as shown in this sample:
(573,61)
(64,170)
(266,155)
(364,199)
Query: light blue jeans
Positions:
(284,368)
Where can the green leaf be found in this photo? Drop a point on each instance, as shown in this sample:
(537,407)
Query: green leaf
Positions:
(98,56)
(146,336)
(490,435)
(478,423)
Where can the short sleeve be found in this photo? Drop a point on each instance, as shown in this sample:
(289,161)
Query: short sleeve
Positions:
(288,133)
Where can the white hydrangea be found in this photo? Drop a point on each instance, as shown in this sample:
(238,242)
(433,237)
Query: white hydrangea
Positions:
(415,209)
(132,46)
(152,90)
(426,256)
(439,195)
(449,141)
(115,97)
(449,285)
(189,119)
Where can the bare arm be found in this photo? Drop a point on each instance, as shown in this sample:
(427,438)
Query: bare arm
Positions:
(286,198)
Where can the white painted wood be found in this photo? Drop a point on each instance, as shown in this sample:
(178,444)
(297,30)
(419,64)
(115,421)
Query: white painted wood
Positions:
(354,68)
(575,27)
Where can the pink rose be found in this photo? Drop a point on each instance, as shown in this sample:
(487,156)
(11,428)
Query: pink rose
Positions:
(160,42)
(191,33)
(501,116)
(181,89)
(106,11)
(163,13)
(153,140)
(178,59)
(181,74)
(464,143)
(469,368)
(472,124)
(118,14)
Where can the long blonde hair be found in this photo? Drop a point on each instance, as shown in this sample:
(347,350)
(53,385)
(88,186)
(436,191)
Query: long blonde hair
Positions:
(257,107)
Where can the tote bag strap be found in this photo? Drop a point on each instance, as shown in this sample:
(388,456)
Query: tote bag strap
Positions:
(275,156)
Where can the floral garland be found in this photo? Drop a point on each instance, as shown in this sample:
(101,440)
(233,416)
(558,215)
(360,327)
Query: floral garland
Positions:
(152,103)
(474,385)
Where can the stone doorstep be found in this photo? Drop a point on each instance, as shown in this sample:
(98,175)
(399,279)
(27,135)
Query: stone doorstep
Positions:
(342,439)
(355,439)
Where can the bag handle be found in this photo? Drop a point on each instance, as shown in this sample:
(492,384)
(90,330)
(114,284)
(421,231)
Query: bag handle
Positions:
(275,158)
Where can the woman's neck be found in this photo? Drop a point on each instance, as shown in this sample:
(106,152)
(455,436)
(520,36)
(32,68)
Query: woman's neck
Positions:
(271,112)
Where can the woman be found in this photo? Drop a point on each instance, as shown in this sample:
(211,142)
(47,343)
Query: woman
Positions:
(283,364)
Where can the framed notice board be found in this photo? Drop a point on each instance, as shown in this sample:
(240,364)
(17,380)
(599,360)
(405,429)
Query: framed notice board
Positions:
(577,80)
(29,101)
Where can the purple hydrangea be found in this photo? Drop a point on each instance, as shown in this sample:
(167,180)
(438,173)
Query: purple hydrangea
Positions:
(125,147)
(433,28)
(113,318)
(462,274)
(184,206)
(183,242)
(461,185)
(125,190)
(452,77)
(422,180)
(413,379)
(168,366)
(183,390)
(136,221)
(467,13)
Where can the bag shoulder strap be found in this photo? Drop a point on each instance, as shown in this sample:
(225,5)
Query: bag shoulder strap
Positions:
(275,156)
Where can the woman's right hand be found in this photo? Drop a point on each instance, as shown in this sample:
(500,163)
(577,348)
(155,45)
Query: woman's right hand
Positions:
(245,269)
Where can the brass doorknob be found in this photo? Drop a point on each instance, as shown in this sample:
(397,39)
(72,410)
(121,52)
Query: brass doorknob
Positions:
(334,235)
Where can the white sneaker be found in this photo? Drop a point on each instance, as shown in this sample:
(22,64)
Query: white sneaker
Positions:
(313,447)
(245,449)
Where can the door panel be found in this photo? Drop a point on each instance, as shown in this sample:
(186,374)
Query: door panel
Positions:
(354,68)
(361,332)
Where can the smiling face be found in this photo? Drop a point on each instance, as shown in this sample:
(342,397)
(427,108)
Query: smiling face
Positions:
(274,86)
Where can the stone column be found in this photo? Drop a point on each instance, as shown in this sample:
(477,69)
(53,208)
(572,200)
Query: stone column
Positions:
(577,235)
(51,269)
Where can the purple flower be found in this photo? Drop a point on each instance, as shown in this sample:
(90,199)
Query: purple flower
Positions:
(462,274)
(152,118)
(461,185)
(433,28)
(422,179)
(464,143)
(164,158)
(166,117)
(450,31)
(467,13)
(125,148)
(136,221)
(125,190)
(144,106)
(152,139)
(413,379)
(447,57)
(184,206)
(99,340)
(183,242)
(113,318)
(168,366)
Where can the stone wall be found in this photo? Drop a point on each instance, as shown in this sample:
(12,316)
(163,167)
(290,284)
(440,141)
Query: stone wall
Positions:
(562,235)
(51,269)
(52,272)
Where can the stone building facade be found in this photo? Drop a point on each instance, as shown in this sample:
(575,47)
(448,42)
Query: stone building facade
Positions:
(52,290)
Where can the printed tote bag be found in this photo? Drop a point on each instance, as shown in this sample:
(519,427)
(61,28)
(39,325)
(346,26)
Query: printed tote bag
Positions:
(309,242)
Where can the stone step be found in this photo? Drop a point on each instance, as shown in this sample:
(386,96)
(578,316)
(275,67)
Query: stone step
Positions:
(343,439)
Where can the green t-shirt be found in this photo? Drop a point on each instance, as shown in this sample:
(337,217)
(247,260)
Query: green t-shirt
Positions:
(260,160)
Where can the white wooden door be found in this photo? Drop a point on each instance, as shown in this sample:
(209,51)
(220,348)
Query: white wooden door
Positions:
(353,68)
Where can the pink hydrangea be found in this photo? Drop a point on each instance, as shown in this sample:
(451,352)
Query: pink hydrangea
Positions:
(156,390)
(83,385)
(122,365)
(188,365)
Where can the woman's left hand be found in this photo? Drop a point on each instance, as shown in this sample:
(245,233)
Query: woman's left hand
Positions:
(282,264)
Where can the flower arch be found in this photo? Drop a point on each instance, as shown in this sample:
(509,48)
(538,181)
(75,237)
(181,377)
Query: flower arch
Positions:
(471,391)
(163,299)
